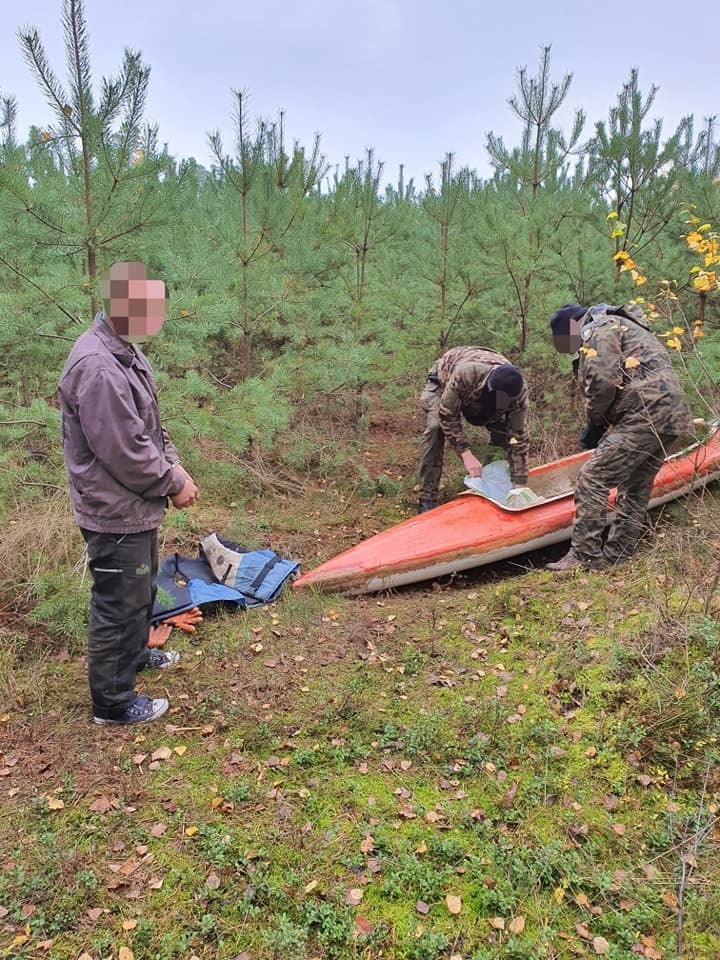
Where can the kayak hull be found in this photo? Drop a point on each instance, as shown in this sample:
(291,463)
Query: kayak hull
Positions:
(471,531)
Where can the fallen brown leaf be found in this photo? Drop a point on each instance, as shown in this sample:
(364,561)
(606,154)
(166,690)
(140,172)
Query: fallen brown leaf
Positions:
(367,844)
(363,927)
(453,903)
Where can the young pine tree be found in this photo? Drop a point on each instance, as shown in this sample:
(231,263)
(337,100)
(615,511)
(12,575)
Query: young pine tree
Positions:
(104,181)
(528,176)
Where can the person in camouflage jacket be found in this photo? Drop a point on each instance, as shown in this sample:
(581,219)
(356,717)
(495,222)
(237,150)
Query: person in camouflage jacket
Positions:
(485,389)
(636,410)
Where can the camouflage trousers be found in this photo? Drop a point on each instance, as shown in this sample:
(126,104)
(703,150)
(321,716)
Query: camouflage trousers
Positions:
(629,459)
(432,445)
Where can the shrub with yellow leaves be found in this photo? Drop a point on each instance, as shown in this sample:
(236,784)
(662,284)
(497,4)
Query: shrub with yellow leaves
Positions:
(700,240)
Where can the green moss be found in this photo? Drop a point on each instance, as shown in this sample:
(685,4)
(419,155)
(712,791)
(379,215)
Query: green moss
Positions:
(507,745)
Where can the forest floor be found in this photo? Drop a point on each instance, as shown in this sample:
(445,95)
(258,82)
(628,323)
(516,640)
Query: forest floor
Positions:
(504,764)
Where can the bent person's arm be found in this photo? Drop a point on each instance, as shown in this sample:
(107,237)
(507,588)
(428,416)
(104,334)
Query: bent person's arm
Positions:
(601,372)
(117,436)
(518,443)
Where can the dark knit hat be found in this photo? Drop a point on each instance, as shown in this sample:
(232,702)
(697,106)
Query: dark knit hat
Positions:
(561,320)
(507,379)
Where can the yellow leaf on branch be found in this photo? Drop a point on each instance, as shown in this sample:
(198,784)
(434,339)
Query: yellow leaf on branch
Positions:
(705,281)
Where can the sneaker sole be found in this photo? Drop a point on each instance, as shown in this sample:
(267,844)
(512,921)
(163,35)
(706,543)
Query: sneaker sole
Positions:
(107,721)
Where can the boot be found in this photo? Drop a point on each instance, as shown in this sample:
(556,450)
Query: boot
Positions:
(569,562)
(425,505)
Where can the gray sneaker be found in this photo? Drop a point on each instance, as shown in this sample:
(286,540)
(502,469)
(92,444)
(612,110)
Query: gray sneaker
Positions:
(141,710)
(154,659)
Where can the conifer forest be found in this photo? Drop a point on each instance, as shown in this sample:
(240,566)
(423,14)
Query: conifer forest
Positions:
(348,778)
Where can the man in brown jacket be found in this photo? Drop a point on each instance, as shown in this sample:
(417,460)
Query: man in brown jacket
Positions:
(122,468)
(485,389)
(636,409)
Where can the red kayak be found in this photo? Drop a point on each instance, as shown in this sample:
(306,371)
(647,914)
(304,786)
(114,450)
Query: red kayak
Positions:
(471,531)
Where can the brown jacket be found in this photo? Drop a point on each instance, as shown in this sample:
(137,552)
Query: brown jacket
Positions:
(119,459)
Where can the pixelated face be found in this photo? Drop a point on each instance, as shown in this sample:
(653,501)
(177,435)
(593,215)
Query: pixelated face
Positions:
(571,341)
(134,305)
(502,401)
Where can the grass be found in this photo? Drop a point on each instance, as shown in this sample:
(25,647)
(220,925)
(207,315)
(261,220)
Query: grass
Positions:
(504,765)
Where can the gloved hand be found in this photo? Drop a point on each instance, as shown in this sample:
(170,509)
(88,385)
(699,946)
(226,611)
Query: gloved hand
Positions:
(159,634)
(521,497)
(186,621)
(592,435)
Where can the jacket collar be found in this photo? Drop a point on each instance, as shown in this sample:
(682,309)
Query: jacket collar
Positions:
(630,311)
(124,352)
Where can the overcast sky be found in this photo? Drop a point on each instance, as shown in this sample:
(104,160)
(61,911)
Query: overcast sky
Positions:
(414,79)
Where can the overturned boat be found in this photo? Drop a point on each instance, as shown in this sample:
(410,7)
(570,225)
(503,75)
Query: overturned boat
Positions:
(477,528)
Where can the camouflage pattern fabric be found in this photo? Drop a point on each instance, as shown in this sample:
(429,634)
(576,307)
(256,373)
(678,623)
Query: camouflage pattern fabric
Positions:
(458,378)
(629,384)
(626,376)
(629,460)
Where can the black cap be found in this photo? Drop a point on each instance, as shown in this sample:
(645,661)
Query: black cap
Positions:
(507,379)
(560,321)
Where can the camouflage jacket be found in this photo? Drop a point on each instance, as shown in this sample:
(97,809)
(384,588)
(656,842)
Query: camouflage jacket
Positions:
(626,375)
(462,373)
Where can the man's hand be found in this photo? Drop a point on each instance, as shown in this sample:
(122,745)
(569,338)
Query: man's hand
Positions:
(189,493)
(471,463)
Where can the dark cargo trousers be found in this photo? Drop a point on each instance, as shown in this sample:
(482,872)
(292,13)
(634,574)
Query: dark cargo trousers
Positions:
(627,458)
(123,568)
(432,445)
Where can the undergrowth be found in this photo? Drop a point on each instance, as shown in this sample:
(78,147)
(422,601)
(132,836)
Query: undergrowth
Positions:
(505,766)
